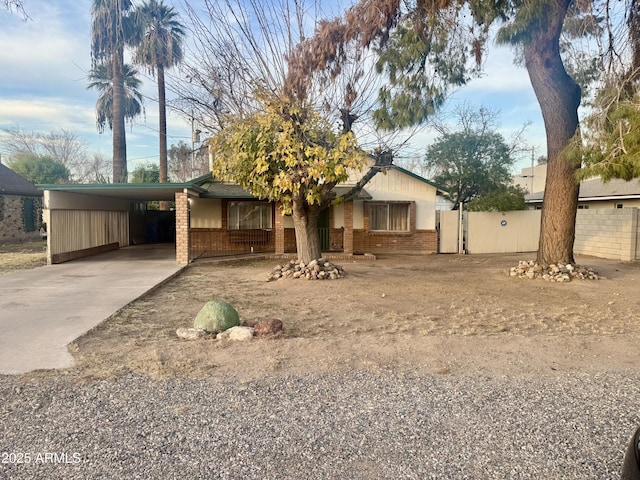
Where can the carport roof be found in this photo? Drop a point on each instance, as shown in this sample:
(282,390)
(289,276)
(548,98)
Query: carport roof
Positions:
(204,186)
(139,192)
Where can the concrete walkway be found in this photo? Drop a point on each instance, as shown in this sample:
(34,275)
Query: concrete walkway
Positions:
(44,309)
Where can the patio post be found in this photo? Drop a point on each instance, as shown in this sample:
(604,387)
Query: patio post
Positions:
(347,240)
(279,230)
(182,228)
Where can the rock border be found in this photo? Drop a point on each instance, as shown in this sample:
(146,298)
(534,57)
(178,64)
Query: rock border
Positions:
(560,273)
(321,269)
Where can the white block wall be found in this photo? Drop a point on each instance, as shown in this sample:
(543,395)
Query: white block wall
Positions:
(607,233)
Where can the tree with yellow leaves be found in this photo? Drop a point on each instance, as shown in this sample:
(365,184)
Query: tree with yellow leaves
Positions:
(288,154)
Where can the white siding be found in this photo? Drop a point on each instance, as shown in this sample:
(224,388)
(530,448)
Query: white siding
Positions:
(397,186)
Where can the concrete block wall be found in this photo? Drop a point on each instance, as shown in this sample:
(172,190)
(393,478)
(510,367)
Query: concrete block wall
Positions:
(607,233)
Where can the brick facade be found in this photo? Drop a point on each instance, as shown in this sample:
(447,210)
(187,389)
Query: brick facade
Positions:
(280,237)
(13,225)
(420,241)
(182,228)
(347,245)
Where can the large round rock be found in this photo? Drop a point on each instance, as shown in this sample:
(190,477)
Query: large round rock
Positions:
(216,316)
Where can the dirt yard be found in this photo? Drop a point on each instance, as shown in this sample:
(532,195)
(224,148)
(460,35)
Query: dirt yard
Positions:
(23,255)
(444,314)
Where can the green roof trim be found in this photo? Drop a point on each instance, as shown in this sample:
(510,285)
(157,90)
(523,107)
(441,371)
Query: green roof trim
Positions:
(112,186)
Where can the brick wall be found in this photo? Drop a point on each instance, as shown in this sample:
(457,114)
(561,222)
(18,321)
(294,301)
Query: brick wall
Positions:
(280,234)
(413,241)
(348,238)
(182,228)
(419,241)
(12,224)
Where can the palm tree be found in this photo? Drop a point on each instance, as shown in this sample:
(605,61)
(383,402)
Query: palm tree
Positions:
(111,29)
(100,78)
(160,48)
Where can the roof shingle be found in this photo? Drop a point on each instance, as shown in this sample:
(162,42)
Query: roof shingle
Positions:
(13,184)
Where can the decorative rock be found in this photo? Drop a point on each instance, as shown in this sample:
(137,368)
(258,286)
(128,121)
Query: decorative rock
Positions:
(216,316)
(320,269)
(268,328)
(560,273)
(237,334)
(190,333)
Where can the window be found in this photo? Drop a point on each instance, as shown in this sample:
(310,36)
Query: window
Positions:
(28,216)
(583,207)
(389,217)
(248,215)
(618,205)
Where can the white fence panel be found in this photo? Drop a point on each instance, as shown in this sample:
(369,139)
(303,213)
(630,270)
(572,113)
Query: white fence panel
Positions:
(503,232)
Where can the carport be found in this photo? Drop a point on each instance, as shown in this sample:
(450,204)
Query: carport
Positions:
(87,219)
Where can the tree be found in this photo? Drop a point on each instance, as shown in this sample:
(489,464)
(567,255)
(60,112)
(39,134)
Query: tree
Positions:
(160,49)
(111,29)
(470,165)
(16,5)
(503,200)
(474,160)
(290,155)
(184,164)
(63,146)
(427,47)
(147,173)
(279,138)
(100,79)
(39,169)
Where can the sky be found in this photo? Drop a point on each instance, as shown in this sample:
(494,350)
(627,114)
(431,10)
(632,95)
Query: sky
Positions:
(43,76)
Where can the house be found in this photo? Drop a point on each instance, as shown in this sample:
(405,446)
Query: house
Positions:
(396,212)
(531,179)
(20,207)
(595,193)
(607,220)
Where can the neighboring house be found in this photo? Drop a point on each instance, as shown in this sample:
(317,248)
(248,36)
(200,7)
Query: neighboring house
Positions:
(595,193)
(396,212)
(20,207)
(531,179)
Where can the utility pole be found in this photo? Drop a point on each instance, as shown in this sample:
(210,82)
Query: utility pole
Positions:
(533,149)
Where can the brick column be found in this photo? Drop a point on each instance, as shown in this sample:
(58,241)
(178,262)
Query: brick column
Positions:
(279,229)
(182,228)
(347,240)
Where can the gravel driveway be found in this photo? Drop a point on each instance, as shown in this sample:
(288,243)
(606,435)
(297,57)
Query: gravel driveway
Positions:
(356,425)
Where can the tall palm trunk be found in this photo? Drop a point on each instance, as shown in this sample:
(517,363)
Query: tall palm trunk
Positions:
(162,105)
(163,123)
(119,139)
(559,98)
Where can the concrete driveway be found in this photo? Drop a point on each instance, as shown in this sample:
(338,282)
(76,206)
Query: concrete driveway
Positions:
(44,309)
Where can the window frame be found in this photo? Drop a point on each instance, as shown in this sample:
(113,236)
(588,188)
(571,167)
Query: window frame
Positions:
(388,205)
(236,224)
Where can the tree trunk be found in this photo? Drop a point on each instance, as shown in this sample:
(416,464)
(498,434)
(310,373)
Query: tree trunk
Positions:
(559,98)
(305,223)
(119,140)
(162,105)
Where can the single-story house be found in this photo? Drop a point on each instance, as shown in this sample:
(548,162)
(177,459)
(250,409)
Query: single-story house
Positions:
(595,193)
(20,207)
(396,212)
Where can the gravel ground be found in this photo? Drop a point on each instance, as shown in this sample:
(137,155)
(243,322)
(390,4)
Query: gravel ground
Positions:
(357,425)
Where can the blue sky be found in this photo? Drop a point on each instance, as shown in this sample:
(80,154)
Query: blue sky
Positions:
(44,63)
